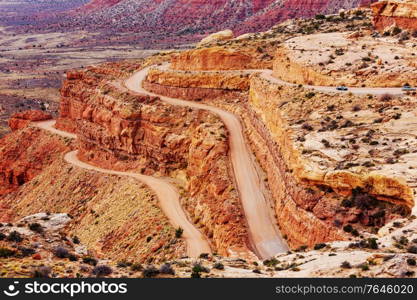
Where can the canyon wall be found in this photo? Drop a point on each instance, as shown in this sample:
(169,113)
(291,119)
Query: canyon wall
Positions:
(305,209)
(117,218)
(294,201)
(402,14)
(210,80)
(215,58)
(289,70)
(265,99)
(197,85)
(119,130)
(25,153)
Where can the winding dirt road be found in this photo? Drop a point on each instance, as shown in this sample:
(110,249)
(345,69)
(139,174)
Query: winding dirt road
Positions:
(167,194)
(267,74)
(264,233)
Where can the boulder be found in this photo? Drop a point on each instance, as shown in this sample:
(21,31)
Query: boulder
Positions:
(216,37)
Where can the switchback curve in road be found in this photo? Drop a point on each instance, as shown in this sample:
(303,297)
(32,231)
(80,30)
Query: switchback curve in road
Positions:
(167,194)
(263,230)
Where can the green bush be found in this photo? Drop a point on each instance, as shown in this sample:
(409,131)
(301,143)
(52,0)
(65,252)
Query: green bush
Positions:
(178,232)
(6,252)
(36,227)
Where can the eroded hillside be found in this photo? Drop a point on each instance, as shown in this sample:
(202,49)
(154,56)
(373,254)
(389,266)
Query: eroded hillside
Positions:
(246,149)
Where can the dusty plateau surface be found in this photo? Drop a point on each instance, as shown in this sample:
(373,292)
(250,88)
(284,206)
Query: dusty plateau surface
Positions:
(336,169)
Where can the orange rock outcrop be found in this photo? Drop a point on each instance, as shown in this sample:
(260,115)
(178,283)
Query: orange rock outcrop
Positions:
(215,58)
(402,14)
(23,119)
(197,85)
(25,153)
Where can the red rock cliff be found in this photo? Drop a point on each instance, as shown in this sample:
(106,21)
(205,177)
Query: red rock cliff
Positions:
(395,13)
(119,130)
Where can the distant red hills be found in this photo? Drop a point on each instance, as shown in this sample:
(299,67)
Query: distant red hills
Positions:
(170,22)
(189,16)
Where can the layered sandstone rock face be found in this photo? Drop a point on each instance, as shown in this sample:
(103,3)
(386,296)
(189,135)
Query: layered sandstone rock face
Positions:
(215,58)
(402,14)
(209,80)
(331,59)
(319,155)
(119,130)
(197,85)
(24,153)
(23,119)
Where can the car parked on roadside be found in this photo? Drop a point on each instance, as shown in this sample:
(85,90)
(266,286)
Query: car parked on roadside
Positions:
(342,88)
(408,88)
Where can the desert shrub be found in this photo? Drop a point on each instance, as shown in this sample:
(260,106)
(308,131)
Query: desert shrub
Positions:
(372,243)
(2,236)
(75,240)
(150,272)
(271,262)
(178,232)
(411,261)
(72,257)
(319,246)
(404,36)
(41,272)
(195,275)
(347,203)
(302,248)
(6,252)
(355,232)
(102,270)
(204,256)
(36,227)
(61,252)
(123,264)
(345,265)
(15,236)
(412,249)
(90,260)
(310,95)
(167,269)
(396,30)
(307,126)
(136,267)
(26,251)
(347,228)
(364,267)
(218,266)
(198,268)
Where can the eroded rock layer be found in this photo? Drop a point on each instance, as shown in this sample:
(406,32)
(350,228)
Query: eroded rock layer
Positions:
(24,153)
(23,119)
(214,58)
(119,130)
(395,13)
(309,187)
